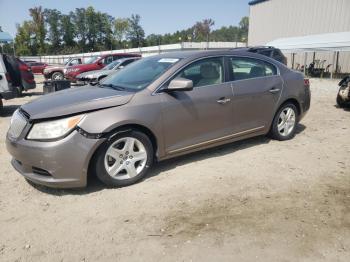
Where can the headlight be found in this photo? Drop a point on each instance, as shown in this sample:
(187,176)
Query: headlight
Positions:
(54,129)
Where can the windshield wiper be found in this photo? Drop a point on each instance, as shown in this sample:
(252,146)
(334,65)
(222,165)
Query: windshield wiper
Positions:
(119,88)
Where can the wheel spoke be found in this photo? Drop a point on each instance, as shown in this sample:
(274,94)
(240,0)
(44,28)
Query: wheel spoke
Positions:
(129,145)
(115,169)
(131,170)
(113,152)
(281,126)
(137,156)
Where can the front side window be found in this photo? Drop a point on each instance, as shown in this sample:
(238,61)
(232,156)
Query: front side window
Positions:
(92,60)
(205,72)
(140,74)
(248,68)
(107,60)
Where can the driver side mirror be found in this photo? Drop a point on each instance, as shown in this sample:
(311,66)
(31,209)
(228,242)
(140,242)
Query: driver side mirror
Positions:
(121,67)
(180,84)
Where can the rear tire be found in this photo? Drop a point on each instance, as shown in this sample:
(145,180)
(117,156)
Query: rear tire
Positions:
(57,76)
(124,160)
(285,122)
(1,105)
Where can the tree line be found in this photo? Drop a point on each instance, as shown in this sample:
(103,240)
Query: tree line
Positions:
(86,30)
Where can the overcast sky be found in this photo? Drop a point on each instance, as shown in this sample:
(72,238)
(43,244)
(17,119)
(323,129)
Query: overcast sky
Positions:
(157,16)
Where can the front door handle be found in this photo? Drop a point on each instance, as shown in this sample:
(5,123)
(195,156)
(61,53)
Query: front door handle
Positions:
(274,90)
(223,100)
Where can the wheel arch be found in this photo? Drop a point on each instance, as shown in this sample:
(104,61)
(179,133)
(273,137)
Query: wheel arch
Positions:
(123,128)
(294,101)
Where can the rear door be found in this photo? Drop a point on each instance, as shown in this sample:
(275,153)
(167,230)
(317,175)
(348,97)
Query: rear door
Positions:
(194,118)
(257,88)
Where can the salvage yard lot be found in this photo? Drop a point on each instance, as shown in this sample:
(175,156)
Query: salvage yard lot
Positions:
(251,200)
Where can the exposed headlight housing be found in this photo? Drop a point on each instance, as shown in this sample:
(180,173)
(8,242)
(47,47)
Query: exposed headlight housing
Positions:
(54,129)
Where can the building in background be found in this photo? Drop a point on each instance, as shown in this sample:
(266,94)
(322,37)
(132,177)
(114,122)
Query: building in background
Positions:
(274,19)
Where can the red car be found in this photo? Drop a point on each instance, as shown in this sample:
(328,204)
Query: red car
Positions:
(94,63)
(27,77)
(37,67)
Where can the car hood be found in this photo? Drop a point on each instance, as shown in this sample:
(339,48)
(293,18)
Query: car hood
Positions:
(83,67)
(54,67)
(94,73)
(75,100)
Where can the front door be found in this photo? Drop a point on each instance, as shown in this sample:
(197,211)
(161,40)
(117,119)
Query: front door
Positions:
(193,118)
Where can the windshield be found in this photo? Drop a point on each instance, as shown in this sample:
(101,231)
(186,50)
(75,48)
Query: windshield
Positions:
(92,59)
(112,65)
(140,74)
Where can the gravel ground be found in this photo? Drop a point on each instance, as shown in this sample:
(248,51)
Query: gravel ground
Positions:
(255,200)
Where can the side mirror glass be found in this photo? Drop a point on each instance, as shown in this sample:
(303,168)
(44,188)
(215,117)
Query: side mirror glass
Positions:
(180,84)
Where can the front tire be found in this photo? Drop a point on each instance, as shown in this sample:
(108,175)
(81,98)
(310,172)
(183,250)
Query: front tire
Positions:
(285,122)
(57,76)
(125,159)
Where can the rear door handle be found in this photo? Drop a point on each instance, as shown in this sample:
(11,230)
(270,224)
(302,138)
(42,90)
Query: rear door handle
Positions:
(274,90)
(223,100)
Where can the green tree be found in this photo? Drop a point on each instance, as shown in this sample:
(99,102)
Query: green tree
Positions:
(68,30)
(121,27)
(53,19)
(79,19)
(24,40)
(135,34)
(244,27)
(202,29)
(39,28)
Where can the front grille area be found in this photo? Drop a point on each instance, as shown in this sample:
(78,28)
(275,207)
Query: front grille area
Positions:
(18,123)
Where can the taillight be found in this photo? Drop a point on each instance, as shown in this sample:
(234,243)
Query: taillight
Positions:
(306,82)
(8,77)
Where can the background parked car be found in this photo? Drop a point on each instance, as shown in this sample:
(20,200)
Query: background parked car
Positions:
(15,76)
(94,63)
(269,51)
(27,77)
(97,75)
(55,72)
(37,67)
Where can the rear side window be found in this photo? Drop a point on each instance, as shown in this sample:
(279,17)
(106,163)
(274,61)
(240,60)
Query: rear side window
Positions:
(107,60)
(248,68)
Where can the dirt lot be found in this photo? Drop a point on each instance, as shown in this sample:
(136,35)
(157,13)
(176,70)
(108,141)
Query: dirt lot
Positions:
(258,200)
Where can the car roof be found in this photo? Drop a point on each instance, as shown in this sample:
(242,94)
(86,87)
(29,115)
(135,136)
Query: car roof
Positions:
(202,53)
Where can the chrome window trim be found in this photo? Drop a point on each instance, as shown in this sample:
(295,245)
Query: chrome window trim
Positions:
(278,71)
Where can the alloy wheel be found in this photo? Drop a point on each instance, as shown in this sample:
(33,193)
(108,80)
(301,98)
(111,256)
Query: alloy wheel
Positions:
(286,121)
(125,158)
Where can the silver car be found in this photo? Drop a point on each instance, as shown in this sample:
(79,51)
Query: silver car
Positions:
(157,108)
(97,75)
